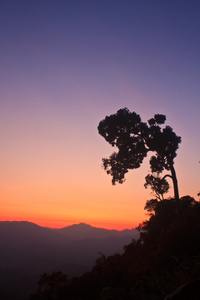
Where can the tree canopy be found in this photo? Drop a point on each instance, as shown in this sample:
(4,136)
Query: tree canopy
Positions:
(134,139)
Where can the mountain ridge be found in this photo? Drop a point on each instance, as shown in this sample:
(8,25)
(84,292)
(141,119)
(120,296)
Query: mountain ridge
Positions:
(75,231)
(83,230)
(29,250)
(81,224)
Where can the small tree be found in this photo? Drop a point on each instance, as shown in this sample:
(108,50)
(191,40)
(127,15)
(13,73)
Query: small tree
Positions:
(134,139)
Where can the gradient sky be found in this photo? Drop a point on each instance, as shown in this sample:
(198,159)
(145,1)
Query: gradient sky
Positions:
(64,66)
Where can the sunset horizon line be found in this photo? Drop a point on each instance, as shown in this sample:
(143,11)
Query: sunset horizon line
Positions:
(92,224)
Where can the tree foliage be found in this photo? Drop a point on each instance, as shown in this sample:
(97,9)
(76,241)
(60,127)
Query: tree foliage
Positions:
(134,139)
(159,186)
(164,231)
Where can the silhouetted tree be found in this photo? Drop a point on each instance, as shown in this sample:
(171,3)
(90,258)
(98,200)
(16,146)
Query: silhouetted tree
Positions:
(164,231)
(134,139)
(49,283)
(159,186)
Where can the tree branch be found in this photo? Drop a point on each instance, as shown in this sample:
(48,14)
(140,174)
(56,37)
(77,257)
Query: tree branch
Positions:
(168,175)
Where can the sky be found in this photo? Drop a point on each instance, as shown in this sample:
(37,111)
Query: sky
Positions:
(67,64)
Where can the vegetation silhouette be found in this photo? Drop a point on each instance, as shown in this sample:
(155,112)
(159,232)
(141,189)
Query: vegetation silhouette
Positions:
(134,139)
(167,254)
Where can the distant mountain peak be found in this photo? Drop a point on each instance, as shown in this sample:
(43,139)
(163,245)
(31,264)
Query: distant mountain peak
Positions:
(20,223)
(81,225)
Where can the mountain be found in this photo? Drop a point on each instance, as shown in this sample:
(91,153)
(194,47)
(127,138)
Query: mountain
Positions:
(24,232)
(85,231)
(28,250)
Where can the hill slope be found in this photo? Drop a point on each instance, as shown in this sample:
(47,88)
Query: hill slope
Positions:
(29,250)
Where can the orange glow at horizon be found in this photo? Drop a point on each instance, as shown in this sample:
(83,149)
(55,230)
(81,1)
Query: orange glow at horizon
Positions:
(81,208)
(50,223)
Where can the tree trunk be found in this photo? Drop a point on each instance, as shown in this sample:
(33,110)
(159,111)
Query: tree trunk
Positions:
(175,182)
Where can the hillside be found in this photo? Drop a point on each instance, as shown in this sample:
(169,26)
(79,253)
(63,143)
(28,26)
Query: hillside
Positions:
(165,260)
(29,250)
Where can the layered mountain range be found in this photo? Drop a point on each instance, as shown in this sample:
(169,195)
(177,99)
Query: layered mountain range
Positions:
(28,250)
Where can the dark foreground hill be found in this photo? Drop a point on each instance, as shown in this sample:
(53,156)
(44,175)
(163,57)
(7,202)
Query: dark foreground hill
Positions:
(28,250)
(164,258)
